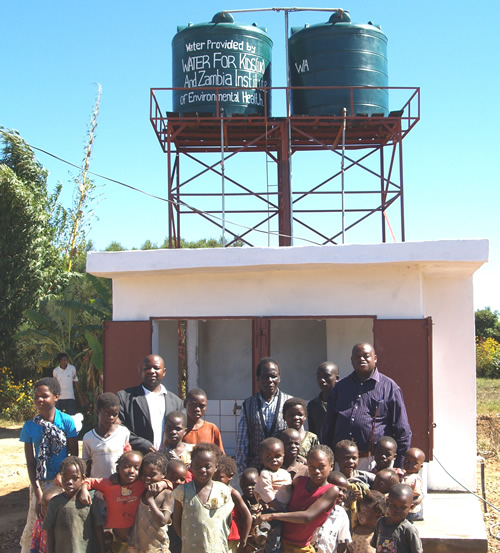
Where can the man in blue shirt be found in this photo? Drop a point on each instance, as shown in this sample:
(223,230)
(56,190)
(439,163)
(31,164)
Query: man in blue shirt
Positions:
(365,406)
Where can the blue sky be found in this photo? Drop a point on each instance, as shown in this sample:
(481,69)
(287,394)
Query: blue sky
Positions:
(55,51)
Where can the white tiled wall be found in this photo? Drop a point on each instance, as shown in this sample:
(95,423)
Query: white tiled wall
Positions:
(221,412)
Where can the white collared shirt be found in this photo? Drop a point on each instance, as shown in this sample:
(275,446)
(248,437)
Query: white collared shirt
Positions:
(156,404)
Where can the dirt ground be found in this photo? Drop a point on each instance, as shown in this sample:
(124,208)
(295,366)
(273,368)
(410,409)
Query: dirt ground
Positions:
(14,484)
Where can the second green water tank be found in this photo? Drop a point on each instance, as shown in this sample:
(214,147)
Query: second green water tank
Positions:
(339,53)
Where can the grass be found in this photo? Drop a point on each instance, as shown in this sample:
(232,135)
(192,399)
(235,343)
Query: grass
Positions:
(7,423)
(488,396)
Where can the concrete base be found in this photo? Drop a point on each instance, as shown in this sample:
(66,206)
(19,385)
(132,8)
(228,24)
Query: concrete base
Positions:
(453,523)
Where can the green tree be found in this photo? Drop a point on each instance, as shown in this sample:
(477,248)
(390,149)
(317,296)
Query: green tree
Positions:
(487,324)
(30,226)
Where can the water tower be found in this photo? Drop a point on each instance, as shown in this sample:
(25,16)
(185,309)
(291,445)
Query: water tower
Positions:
(338,128)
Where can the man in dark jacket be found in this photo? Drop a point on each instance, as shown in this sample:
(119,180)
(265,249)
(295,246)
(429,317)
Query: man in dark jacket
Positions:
(143,408)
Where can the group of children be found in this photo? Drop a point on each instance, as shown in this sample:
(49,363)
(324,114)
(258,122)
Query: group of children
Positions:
(180,499)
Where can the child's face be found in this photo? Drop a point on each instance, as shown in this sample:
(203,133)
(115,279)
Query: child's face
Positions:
(341,484)
(203,467)
(174,431)
(224,477)
(247,484)
(150,474)
(367,515)
(63,363)
(295,417)
(196,407)
(272,457)
(45,400)
(398,508)
(128,469)
(383,482)
(71,480)
(177,475)
(347,459)
(319,467)
(108,416)
(384,455)
(291,442)
(414,459)
(326,377)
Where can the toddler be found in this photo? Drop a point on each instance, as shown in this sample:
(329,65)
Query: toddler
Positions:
(384,480)
(294,414)
(258,534)
(334,536)
(198,429)
(312,500)
(294,463)
(394,532)
(371,507)
(39,536)
(175,429)
(48,438)
(202,512)
(103,446)
(327,375)
(273,483)
(71,526)
(384,454)
(149,534)
(242,520)
(414,459)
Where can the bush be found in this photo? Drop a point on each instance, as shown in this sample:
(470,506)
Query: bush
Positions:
(16,398)
(487,358)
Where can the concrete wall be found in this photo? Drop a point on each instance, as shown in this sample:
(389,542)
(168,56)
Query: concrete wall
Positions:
(411,280)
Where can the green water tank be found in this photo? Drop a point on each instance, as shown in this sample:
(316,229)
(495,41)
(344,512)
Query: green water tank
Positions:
(339,53)
(222,54)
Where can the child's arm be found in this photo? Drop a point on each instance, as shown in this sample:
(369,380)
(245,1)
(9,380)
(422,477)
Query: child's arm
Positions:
(160,505)
(177,520)
(322,504)
(245,518)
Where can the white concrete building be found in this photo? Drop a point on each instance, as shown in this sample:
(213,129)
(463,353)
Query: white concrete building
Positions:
(304,305)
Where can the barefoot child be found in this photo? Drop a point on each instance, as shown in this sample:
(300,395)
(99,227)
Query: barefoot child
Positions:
(242,520)
(371,507)
(198,429)
(202,512)
(312,500)
(294,414)
(71,526)
(48,439)
(174,447)
(393,532)
(414,459)
(150,532)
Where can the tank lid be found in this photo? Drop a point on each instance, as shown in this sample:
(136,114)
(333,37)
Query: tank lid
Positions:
(223,17)
(340,16)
